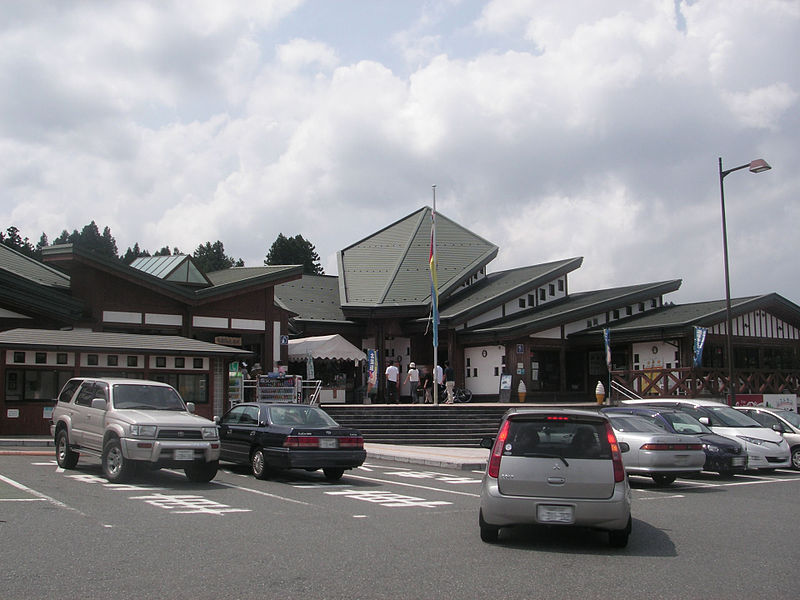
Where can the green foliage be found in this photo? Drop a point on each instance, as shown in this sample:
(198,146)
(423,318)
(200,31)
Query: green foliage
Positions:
(13,239)
(211,257)
(294,251)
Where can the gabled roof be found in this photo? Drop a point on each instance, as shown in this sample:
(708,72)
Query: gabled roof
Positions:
(498,288)
(81,339)
(390,268)
(31,269)
(311,298)
(179,268)
(573,308)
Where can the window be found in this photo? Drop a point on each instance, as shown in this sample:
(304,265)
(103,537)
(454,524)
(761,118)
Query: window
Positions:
(68,390)
(531,300)
(19,357)
(133,361)
(180,362)
(552,289)
(33,385)
(560,285)
(653,303)
(475,372)
(91,360)
(198,362)
(161,362)
(192,388)
(616,314)
(629,310)
(521,303)
(112,360)
(41,358)
(467,373)
(542,294)
(61,358)
(497,371)
(641,306)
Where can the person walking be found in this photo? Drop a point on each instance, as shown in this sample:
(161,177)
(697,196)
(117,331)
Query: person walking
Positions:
(449,382)
(439,382)
(426,385)
(392,375)
(413,377)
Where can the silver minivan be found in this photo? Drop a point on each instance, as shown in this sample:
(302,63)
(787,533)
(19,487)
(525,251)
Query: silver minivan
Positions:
(555,467)
(784,422)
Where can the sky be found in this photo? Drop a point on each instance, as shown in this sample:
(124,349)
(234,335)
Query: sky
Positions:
(551,128)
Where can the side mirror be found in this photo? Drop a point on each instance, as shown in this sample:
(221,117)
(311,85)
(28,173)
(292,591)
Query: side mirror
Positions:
(624,447)
(99,403)
(705,421)
(487,442)
(190,407)
(777,427)
(216,419)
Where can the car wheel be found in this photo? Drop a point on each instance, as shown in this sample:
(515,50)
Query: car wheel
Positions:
(796,458)
(258,464)
(489,533)
(116,467)
(662,480)
(66,458)
(619,537)
(726,473)
(332,474)
(202,472)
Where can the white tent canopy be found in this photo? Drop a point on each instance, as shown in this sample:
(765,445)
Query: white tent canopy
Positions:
(324,346)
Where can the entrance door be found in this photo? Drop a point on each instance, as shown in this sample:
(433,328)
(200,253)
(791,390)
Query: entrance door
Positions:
(545,371)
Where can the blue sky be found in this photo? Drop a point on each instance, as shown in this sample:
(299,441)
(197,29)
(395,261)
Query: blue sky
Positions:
(553,129)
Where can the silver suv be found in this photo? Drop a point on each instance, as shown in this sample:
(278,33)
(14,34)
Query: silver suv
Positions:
(130,422)
(555,467)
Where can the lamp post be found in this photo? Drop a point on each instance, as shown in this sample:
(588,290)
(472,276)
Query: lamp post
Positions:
(756,166)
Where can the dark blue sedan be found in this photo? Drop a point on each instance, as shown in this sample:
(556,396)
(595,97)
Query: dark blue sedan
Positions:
(288,436)
(723,455)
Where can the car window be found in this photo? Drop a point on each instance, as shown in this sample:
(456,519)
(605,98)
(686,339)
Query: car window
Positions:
(292,416)
(86,394)
(792,417)
(233,415)
(249,416)
(146,397)
(766,419)
(563,438)
(632,423)
(683,423)
(69,390)
(728,417)
(101,390)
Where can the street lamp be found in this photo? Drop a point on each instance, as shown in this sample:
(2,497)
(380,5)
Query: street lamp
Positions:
(756,166)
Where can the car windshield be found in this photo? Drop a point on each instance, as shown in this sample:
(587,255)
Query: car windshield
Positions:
(790,416)
(726,416)
(147,397)
(683,423)
(561,437)
(294,416)
(633,423)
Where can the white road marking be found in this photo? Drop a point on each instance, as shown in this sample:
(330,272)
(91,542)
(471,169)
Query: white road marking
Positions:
(443,477)
(45,497)
(188,504)
(413,485)
(260,493)
(389,499)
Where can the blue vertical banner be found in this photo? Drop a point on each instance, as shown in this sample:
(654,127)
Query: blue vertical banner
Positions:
(699,342)
(607,342)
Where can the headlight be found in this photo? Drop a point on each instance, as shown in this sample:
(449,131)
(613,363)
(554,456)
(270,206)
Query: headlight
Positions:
(143,431)
(712,448)
(755,441)
(210,433)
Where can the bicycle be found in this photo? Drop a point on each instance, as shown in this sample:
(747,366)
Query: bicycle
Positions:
(459,395)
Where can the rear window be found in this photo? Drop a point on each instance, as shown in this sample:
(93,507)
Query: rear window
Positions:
(633,423)
(558,436)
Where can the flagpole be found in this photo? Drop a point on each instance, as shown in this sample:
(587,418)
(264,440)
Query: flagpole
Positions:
(434,302)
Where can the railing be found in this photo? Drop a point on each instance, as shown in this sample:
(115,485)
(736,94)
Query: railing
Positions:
(311,389)
(691,382)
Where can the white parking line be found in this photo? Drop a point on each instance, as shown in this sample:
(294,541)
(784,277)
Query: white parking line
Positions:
(45,497)
(416,486)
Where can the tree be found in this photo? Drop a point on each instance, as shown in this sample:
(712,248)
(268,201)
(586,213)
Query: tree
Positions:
(211,257)
(133,253)
(91,239)
(294,251)
(13,239)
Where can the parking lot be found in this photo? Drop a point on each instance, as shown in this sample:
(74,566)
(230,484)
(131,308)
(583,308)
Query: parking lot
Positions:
(384,530)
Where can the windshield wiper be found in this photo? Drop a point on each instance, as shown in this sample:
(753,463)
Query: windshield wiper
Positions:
(540,455)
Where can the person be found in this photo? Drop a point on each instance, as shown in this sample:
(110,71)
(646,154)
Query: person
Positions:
(413,377)
(426,385)
(439,382)
(392,375)
(449,382)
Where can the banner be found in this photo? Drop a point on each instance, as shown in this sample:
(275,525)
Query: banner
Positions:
(607,342)
(309,365)
(372,369)
(699,342)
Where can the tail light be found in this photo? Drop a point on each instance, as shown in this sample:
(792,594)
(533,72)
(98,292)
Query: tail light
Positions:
(351,442)
(616,455)
(672,447)
(497,451)
(301,441)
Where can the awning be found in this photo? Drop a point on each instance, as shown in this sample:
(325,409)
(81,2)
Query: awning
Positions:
(324,346)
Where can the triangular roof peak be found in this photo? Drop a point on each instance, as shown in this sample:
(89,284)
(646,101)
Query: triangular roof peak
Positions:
(178,268)
(390,268)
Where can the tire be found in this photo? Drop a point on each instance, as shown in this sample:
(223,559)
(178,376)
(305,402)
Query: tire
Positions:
(66,458)
(202,472)
(463,395)
(663,480)
(796,458)
(619,537)
(726,473)
(489,533)
(333,474)
(258,464)
(116,467)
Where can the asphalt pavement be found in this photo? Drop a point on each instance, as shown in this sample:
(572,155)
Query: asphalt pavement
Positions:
(432,456)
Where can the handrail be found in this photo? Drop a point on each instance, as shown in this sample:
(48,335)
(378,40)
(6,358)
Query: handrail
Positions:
(623,391)
(316,385)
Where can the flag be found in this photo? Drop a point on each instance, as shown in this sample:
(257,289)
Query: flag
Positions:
(699,342)
(607,341)
(434,283)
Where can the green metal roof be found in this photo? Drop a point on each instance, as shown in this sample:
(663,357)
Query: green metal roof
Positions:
(391,267)
(31,269)
(179,268)
(313,297)
(98,341)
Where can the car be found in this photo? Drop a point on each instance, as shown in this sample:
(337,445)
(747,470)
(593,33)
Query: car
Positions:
(655,452)
(289,436)
(560,467)
(725,456)
(785,422)
(129,423)
(766,449)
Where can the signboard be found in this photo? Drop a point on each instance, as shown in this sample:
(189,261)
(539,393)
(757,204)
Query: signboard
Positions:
(505,388)
(779,401)
(284,340)
(228,340)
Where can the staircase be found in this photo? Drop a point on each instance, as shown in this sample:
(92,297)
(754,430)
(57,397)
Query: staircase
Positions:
(454,425)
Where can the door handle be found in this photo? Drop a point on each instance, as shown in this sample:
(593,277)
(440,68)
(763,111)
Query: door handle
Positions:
(252,434)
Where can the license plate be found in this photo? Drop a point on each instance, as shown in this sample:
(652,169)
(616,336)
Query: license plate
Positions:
(327,442)
(554,514)
(184,454)
(737,461)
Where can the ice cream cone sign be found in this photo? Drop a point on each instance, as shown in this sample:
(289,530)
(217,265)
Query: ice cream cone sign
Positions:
(600,392)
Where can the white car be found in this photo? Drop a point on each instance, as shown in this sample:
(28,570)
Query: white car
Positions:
(785,422)
(766,449)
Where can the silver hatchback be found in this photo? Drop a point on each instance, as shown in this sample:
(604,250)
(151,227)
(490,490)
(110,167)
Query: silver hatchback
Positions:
(555,467)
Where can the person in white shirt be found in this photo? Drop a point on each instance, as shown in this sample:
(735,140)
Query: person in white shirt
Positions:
(413,377)
(392,375)
(439,382)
